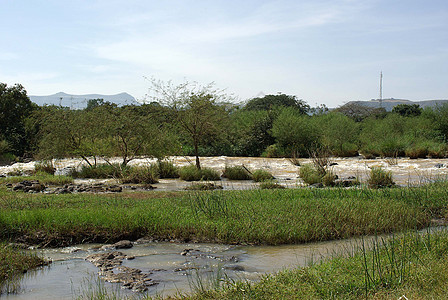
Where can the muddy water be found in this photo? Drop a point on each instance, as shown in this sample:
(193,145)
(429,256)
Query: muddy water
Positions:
(405,171)
(70,275)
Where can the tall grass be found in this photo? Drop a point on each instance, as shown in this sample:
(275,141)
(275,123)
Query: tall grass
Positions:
(45,179)
(295,216)
(236,173)
(13,263)
(191,173)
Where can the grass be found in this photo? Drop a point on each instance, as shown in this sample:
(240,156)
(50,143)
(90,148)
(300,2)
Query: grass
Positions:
(295,215)
(165,169)
(14,262)
(43,178)
(261,175)
(143,175)
(413,265)
(309,174)
(191,173)
(380,178)
(236,173)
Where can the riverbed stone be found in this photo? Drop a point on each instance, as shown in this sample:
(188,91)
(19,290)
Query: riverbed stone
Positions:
(125,244)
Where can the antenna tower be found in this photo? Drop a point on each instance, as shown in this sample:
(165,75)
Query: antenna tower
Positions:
(381,89)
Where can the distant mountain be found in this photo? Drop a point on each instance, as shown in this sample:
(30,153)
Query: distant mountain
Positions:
(80,101)
(389,103)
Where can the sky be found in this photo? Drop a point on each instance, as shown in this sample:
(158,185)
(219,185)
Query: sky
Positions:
(322,51)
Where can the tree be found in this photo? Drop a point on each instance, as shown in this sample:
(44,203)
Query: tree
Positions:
(268,102)
(15,107)
(359,112)
(295,133)
(407,110)
(196,109)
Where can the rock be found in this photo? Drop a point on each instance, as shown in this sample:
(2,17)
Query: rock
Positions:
(18,187)
(333,164)
(235,268)
(125,244)
(438,166)
(114,188)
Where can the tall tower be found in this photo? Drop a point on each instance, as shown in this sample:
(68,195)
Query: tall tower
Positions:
(381,89)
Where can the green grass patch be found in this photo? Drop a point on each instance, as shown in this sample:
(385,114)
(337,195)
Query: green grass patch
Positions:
(13,263)
(236,173)
(191,173)
(165,169)
(295,215)
(270,184)
(380,178)
(261,175)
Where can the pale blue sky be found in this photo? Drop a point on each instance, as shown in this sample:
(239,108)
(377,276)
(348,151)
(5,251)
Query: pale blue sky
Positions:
(322,51)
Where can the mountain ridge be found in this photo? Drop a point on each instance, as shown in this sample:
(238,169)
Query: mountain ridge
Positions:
(80,101)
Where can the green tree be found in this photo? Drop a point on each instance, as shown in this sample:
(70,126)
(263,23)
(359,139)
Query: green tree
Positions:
(359,112)
(199,111)
(407,110)
(295,133)
(270,101)
(15,107)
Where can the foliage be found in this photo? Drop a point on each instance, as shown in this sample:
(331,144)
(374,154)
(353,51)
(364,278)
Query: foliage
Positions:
(309,174)
(380,178)
(100,171)
(138,175)
(261,175)
(268,102)
(236,173)
(192,173)
(295,133)
(45,166)
(44,178)
(14,262)
(407,110)
(15,107)
(165,169)
(196,109)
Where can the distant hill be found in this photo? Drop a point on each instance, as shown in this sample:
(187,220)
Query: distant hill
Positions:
(80,101)
(389,104)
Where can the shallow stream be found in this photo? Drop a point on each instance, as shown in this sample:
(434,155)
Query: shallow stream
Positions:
(70,275)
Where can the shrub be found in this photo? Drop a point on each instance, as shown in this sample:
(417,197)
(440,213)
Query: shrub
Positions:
(270,184)
(165,169)
(101,171)
(417,151)
(236,173)
(45,166)
(139,175)
(329,178)
(438,150)
(273,151)
(379,178)
(191,173)
(261,175)
(309,174)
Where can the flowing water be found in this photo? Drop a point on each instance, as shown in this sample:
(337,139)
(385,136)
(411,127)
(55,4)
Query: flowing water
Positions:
(405,171)
(70,275)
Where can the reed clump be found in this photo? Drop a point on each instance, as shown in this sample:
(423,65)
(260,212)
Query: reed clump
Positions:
(380,178)
(191,173)
(236,173)
(261,175)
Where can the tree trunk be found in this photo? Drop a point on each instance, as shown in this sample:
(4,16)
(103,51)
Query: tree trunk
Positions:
(196,153)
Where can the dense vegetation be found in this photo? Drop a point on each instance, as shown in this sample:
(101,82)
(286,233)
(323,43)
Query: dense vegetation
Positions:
(201,121)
